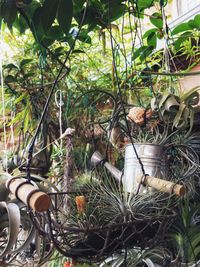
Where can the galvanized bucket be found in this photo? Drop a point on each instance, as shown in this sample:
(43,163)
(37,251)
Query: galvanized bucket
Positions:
(153,159)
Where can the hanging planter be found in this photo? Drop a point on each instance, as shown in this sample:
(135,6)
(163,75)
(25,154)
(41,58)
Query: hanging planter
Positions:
(108,223)
(100,220)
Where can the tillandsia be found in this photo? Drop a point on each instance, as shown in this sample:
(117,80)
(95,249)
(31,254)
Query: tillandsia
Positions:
(167,115)
(103,220)
(104,204)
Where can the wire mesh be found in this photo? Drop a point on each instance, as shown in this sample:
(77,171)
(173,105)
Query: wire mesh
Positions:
(93,242)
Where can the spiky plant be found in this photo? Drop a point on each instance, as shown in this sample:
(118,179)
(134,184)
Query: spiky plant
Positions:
(136,257)
(185,232)
(113,219)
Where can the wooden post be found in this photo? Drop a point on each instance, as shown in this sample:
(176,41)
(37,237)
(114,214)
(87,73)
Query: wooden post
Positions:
(69,163)
(29,194)
(68,178)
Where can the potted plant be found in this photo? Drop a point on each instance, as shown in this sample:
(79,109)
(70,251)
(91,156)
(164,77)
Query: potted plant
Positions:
(158,132)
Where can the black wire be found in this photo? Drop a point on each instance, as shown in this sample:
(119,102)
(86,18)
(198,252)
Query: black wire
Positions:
(30,151)
(121,99)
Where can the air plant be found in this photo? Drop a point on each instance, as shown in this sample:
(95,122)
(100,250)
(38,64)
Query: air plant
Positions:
(169,114)
(110,220)
(136,257)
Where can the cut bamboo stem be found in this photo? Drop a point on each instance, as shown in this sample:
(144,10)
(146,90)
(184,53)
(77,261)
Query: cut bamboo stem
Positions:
(163,185)
(29,194)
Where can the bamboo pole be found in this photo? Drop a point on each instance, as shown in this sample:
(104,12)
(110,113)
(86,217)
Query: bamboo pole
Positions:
(162,185)
(29,194)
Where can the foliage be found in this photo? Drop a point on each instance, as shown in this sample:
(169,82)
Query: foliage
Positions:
(93,97)
(185,232)
(50,21)
(137,257)
(56,260)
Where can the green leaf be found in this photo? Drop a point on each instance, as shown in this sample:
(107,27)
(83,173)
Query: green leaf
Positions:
(152,39)
(8,11)
(181,28)
(147,33)
(28,75)
(180,41)
(49,10)
(38,30)
(115,12)
(59,51)
(65,14)
(77,51)
(84,37)
(46,41)
(30,9)
(55,33)
(10,79)
(90,16)
(192,24)
(20,98)
(146,53)
(160,34)
(68,39)
(139,51)
(92,26)
(10,66)
(144,3)
(78,5)
(197,20)
(21,24)
(25,62)
(156,20)
(143,52)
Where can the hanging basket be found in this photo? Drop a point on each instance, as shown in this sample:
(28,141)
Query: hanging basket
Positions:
(93,242)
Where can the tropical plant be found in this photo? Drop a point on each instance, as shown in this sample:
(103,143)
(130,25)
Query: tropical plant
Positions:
(184,234)
(54,25)
(155,257)
(169,116)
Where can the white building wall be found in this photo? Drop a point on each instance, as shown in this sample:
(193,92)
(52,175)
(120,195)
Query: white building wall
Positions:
(182,10)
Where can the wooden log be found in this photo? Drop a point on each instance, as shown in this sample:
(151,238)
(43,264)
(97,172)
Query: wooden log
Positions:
(68,177)
(163,185)
(29,194)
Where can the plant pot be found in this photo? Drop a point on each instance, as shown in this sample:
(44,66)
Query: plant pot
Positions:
(153,161)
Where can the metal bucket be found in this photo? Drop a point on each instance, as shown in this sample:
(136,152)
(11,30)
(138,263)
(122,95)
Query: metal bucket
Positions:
(153,160)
